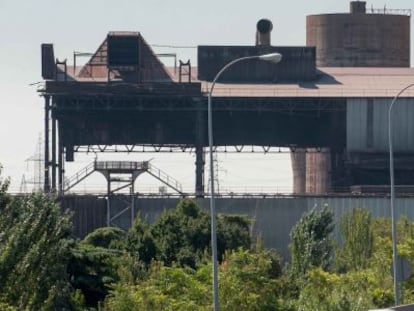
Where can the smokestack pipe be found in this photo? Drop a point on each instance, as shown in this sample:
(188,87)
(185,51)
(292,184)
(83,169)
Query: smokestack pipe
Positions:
(264,28)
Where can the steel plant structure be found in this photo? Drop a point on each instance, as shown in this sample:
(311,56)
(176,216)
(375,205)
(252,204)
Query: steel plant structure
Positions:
(333,118)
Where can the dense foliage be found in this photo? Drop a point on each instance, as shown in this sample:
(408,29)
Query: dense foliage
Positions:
(358,240)
(312,245)
(34,250)
(166,265)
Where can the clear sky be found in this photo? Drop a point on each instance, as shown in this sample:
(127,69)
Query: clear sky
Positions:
(82,25)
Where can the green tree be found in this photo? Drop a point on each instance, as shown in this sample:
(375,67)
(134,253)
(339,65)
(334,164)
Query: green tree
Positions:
(34,249)
(106,237)
(324,291)
(248,281)
(140,242)
(93,264)
(232,233)
(182,235)
(358,239)
(311,242)
(165,288)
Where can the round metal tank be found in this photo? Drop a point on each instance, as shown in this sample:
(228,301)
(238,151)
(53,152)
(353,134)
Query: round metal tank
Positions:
(298,160)
(360,39)
(318,170)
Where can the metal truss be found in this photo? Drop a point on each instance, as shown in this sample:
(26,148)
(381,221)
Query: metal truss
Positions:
(176,103)
(168,148)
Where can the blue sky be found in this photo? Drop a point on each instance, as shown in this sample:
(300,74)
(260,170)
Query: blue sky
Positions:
(82,25)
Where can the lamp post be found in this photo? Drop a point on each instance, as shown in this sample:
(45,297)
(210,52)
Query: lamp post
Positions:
(392,197)
(274,58)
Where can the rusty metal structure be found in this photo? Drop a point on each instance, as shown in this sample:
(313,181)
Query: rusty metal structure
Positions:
(365,37)
(332,119)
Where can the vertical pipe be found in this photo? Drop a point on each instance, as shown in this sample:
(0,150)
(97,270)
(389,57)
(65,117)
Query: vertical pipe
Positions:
(132,200)
(60,165)
(199,186)
(46,187)
(108,201)
(53,153)
(199,171)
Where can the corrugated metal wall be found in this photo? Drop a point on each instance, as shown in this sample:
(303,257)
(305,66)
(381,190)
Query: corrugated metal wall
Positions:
(297,64)
(273,218)
(367,125)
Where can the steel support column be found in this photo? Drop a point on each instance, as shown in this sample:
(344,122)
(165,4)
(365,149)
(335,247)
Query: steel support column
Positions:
(53,164)
(108,202)
(46,187)
(199,151)
(132,192)
(60,165)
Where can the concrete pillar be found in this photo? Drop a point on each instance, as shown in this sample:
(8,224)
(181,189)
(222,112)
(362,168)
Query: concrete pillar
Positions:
(298,159)
(318,170)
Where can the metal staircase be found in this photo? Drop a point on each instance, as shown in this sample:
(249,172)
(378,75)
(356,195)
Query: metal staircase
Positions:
(117,166)
(79,176)
(164,178)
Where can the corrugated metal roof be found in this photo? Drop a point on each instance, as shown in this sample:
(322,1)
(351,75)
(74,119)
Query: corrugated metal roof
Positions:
(331,82)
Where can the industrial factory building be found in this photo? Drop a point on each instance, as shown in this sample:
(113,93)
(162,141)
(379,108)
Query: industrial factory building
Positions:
(327,101)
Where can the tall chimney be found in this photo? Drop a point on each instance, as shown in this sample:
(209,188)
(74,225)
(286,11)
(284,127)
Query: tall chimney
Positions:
(358,7)
(264,28)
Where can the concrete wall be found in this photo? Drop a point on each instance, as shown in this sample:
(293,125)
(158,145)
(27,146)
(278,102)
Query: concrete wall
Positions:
(272,218)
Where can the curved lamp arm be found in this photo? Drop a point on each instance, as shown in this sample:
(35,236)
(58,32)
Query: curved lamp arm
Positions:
(392,196)
(275,58)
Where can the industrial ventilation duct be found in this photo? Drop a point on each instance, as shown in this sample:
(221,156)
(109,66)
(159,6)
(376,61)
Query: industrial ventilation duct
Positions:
(264,28)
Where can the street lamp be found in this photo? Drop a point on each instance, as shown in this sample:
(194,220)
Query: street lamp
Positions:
(392,190)
(274,58)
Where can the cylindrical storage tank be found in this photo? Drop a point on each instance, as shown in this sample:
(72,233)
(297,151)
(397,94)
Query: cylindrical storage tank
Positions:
(318,170)
(298,160)
(360,39)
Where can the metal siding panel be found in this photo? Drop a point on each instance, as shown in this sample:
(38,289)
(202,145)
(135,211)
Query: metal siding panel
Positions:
(380,125)
(403,127)
(297,64)
(273,218)
(356,116)
(403,114)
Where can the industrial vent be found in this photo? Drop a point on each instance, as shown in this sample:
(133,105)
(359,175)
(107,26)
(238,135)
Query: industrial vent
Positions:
(48,62)
(123,51)
(358,7)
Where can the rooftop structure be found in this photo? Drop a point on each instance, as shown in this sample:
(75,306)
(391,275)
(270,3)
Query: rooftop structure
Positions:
(125,96)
